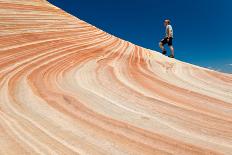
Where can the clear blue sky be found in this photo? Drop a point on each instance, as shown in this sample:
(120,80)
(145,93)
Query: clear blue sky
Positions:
(202,28)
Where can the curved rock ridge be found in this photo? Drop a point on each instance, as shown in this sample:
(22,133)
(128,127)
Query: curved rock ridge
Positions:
(67,87)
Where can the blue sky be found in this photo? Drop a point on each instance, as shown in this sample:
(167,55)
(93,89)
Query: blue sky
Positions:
(202,28)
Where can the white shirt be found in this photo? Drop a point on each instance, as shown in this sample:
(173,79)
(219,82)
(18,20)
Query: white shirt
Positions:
(169,28)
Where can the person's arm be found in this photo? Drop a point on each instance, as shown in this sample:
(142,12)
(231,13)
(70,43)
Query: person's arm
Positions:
(169,32)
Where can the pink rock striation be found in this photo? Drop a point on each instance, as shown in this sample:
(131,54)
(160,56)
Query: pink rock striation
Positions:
(67,87)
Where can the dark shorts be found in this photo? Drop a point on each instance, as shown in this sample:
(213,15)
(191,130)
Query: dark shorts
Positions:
(166,41)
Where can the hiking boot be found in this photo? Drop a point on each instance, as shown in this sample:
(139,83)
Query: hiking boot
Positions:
(171,56)
(164,52)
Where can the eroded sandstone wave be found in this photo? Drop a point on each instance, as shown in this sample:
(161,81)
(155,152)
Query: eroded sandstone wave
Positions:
(67,87)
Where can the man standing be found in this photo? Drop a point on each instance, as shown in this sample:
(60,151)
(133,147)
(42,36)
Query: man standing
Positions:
(168,39)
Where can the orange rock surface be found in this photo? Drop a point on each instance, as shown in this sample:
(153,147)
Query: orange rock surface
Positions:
(67,87)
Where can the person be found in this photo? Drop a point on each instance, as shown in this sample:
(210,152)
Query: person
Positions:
(167,39)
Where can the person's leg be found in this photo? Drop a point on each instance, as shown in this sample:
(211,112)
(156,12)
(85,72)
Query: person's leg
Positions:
(171,47)
(161,45)
(172,50)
